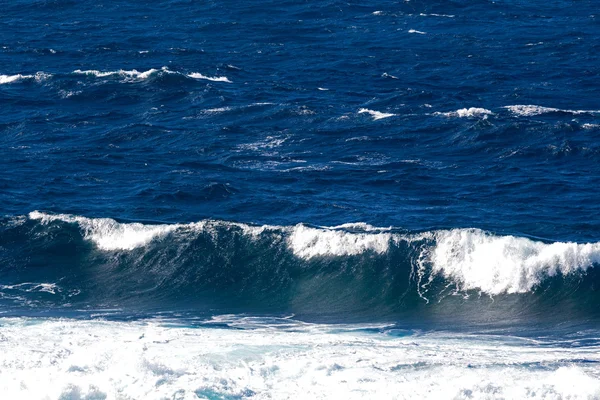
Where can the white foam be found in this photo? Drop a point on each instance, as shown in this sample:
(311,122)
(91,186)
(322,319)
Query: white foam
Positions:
(375,114)
(532,110)
(60,359)
(129,74)
(307,242)
(417,32)
(38,76)
(109,234)
(466,113)
(477,260)
(4,79)
(437,15)
(197,75)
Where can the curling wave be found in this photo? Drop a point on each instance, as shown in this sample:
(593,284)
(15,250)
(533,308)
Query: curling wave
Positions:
(346,268)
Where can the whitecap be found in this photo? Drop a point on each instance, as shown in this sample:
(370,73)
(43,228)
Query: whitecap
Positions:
(197,75)
(478,260)
(109,234)
(4,79)
(375,114)
(466,113)
(307,242)
(131,74)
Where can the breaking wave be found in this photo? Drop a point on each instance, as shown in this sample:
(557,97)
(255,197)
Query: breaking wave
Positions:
(300,268)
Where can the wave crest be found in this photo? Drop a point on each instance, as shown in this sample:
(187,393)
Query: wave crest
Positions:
(478,260)
(473,259)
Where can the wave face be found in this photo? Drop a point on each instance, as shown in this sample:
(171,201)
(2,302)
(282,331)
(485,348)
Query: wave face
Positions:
(351,271)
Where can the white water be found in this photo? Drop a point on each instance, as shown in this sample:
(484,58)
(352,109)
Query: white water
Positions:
(39,77)
(70,359)
(532,110)
(306,242)
(477,260)
(197,75)
(466,113)
(375,114)
(141,75)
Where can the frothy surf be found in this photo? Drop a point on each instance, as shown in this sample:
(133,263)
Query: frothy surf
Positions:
(38,77)
(375,114)
(141,75)
(466,113)
(157,360)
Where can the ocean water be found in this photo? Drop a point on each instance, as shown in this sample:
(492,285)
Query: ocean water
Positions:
(282,200)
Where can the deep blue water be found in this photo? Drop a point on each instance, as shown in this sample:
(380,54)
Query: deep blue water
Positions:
(422,116)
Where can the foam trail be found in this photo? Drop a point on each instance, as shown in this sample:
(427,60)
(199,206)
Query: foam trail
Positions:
(466,113)
(418,32)
(477,260)
(532,110)
(375,114)
(197,75)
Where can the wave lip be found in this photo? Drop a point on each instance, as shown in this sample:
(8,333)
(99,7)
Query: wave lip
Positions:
(109,234)
(477,260)
(533,110)
(134,74)
(306,242)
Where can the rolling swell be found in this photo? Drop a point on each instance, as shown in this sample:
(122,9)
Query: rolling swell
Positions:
(351,271)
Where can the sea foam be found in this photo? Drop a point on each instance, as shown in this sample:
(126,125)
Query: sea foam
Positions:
(478,260)
(197,75)
(375,114)
(532,110)
(73,359)
(466,113)
(38,76)
(141,75)
(307,242)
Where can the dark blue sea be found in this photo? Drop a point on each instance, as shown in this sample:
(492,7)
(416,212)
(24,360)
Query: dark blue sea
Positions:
(300,199)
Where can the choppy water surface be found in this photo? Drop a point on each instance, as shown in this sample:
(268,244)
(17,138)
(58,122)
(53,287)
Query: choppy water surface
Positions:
(281,199)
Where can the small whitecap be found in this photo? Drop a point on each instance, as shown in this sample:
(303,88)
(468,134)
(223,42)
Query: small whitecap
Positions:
(375,114)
